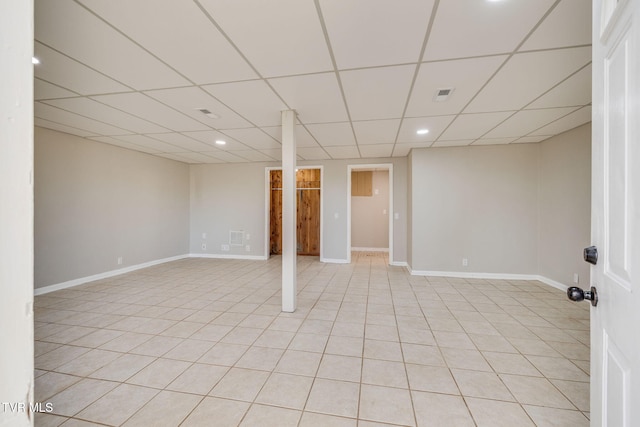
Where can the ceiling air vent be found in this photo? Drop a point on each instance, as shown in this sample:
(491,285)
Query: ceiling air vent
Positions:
(208,113)
(443,94)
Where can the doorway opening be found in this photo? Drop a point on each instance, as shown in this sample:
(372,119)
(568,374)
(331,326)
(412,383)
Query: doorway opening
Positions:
(308,208)
(370,209)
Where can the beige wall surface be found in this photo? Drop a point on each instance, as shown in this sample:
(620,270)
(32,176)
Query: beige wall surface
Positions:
(232,197)
(565,205)
(478,203)
(370,215)
(95,203)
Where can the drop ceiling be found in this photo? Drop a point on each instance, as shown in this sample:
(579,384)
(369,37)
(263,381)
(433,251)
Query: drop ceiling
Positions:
(361,74)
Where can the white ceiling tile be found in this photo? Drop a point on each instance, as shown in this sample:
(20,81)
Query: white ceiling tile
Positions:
(402,150)
(254,100)
(274,153)
(45,90)
(62,128)
(199,157)
(528,75)
(566,123)
(377,150)
(188,100)
(450,74)
(278,43)
(124,144)
(72,75)
(303,138)
(530,139)
(182,141)
(333,134)
(493,141)
(470,126)
(315,97)
(343,152)
(254,138)
(95,110)
(229,157)
(312,153)
(66,118)
(435,125)
(145,141)
(567,25)
(210,137)
(377,93)
(576,90)
(387,32)
(376,131)
(465,28)
(216,60)
(99,46)
(176,158)
(149,109)
(254,156)
(526,121)
(453,143)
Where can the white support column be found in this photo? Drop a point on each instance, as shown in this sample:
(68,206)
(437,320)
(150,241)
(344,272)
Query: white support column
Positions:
(289,247)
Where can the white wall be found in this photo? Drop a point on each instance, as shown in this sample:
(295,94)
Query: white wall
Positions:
(370,215)
(565,205)
(16,210)
(478,203)
(95,202)
(226,197)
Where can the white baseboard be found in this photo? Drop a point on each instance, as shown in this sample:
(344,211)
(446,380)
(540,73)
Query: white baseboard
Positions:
(399,264)
(230,256)
(105,275)
(370,249)
(334,261)
(497,276)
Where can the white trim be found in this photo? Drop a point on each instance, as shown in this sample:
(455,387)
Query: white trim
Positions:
(497,276)
(350,168)
(230,256)
(371,250)
(335,261)
(105,275)
(399,264)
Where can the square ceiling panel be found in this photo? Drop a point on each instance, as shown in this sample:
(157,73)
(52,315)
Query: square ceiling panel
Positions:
(254,100)
(376,131)
(387,32)
(515,85)
(254,138)
(343,152)
(99,46)
(575,90)
(377,150)
(333,134)
(566,123)
(465,28)
(377,93)
(316,97)
(471,126)
(524,122)
(189,100)
(312,153)
(277,44)
(434,125)
(61,128)
(455,75)
(185,142)
(217,60)
(45,90)
(565,26)
(150,143)
(303,138)
(66,118)
(124,144)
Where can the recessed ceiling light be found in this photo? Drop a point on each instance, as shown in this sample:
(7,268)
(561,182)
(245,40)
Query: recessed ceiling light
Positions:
(221,142)
(422,131)
(35,60)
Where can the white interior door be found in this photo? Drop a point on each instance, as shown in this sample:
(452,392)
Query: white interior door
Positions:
(615,322)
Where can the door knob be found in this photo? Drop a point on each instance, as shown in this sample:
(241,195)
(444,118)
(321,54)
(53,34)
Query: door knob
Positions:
(576,294)
(590,255)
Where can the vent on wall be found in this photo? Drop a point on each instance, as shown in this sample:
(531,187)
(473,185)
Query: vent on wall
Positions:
(236,238)
(443,94)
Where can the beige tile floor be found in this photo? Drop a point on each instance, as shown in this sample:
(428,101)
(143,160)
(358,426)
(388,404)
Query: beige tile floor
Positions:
(202,342)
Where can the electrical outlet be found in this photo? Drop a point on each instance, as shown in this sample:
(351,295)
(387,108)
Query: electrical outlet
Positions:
(465,262)
(576,278)
(119,260)
(225,247)
(247,248)
(204,246)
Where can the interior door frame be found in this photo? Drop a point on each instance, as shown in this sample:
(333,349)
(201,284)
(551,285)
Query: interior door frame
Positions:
(355,167)
(267,207)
